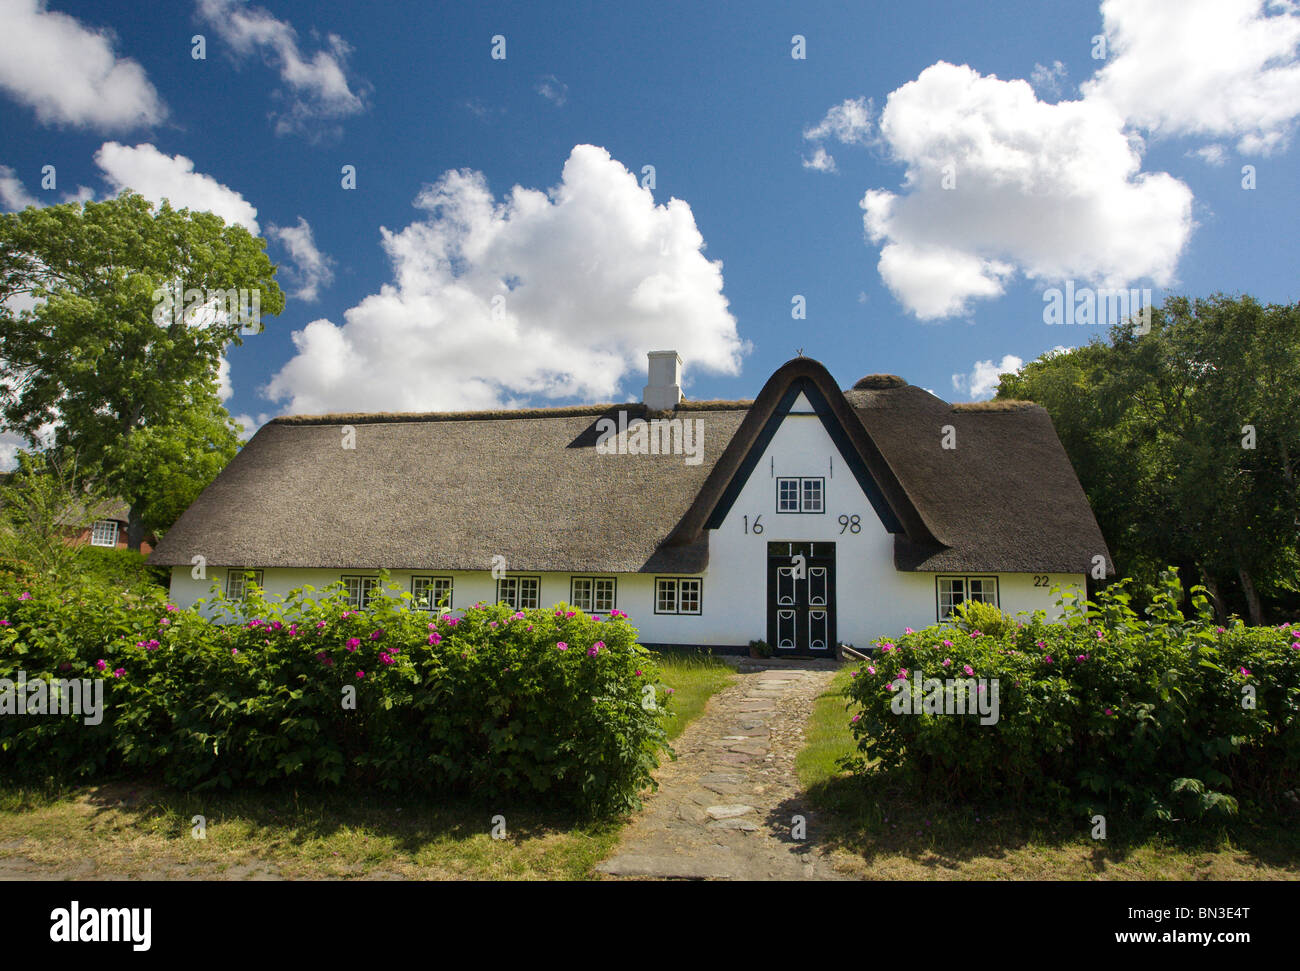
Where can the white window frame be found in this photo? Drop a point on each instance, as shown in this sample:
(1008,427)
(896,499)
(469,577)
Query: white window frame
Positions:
(512,591)
(366,586)
(803,503)
(679,591)
(237,582)
(601,596)
(432,601)
(98,532)
(963,584)
(782,485)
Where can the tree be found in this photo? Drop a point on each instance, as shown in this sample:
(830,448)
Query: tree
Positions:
(1186,440)
(125,372)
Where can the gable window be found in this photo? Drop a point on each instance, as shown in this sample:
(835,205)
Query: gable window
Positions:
(431,593)
(237,582)
(522,593)
(104,533)
(800,494)
(595,595)
(360,590)
(678,595)
(955,590)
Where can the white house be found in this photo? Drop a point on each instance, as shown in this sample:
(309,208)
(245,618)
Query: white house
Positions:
(806,517)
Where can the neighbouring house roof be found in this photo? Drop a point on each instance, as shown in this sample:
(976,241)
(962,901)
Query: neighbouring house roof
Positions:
(450,491)
(77,514)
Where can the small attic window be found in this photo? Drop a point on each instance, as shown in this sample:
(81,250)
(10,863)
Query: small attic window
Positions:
(104,533)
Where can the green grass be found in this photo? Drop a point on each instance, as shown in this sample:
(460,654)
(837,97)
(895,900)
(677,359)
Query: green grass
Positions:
(132,830)
(694,678)
(883,829)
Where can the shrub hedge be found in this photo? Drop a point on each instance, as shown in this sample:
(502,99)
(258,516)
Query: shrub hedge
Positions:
(1165,716)
(549,704)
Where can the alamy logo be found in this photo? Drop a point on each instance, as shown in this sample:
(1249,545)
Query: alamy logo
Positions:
(949,696)
(176,305)
(658,436)
(99,924)
(78,696)
(1086,306)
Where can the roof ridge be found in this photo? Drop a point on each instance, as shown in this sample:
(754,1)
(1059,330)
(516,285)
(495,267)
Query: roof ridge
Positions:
(498,414)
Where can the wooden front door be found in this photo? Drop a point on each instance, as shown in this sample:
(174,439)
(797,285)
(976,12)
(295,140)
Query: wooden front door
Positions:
(801,599)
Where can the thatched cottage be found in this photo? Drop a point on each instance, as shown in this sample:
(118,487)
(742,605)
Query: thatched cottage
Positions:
(806,517)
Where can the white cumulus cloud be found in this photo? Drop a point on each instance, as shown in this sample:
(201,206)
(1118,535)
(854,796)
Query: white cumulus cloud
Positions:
(70,74)
(13,194)
(312,270)
(982,381)
(319,86)
(999,182)
(848,123)
(157,176)
(1217,68)
(555,294)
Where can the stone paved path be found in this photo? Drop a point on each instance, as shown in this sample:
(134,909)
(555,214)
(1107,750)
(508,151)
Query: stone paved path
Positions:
(726,808)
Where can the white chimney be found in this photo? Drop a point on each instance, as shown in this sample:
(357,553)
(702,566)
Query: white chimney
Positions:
(664,392)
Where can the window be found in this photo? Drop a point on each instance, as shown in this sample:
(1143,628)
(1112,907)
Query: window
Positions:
(678,595)
(359,590)
(431,593)
(954,590)
(595,595)
(787,495)
(522,593)
(104,533)
(237,582)
(812,495)
(800,495)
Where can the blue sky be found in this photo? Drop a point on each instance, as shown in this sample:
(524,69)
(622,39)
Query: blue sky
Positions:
(1134,179)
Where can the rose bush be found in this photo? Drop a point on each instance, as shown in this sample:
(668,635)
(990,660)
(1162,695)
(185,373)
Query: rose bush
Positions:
(549,704)
(1166,716)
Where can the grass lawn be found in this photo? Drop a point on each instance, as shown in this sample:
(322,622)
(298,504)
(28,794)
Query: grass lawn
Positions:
(694,678)
(877,832)
(125,830)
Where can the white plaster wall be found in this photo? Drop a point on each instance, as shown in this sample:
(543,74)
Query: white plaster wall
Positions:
(872,598)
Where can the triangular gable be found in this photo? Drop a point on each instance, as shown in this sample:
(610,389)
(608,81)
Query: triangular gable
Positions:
(797,381)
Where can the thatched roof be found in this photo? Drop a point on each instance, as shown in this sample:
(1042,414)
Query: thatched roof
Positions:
(77,514)
(1005,499)
(451,491)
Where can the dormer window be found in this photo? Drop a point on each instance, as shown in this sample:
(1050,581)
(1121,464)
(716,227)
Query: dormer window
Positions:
(801,495)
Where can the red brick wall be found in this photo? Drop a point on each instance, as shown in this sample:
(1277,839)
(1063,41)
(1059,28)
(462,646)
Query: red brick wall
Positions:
(83,538)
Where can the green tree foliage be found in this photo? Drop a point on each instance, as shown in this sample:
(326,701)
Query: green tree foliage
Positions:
(41,508)
(1186,440)
(128,384)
